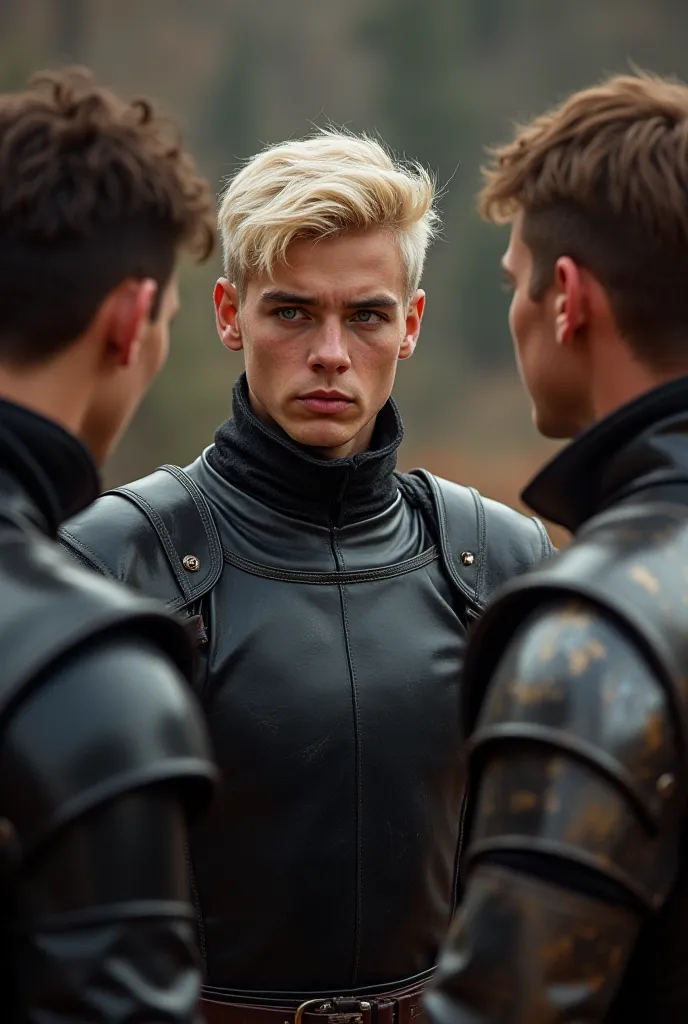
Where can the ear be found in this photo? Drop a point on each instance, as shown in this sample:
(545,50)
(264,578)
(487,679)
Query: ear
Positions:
(123,317)
(569,306)
(226,299)
(412,325)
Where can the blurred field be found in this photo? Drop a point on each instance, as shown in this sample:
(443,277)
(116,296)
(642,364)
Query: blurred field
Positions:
(439,81)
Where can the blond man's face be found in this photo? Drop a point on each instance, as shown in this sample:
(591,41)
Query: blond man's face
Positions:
(322,338)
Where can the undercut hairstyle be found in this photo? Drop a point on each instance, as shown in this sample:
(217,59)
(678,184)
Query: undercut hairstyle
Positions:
(320,187)
(603,179)
(94,190)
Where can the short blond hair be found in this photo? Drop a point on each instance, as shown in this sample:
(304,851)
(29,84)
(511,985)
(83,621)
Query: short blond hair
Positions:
(330,183)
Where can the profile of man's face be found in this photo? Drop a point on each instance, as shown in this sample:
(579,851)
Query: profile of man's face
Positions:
(323,335)
(125,383)
(550,372)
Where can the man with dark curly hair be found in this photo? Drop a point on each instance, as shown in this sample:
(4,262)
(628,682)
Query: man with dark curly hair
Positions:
(103,754)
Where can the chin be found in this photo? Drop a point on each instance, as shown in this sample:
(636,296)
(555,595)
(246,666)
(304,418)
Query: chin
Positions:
(322,435)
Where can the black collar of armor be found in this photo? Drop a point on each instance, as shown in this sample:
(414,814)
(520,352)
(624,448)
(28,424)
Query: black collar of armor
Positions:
(267,464)
(51,466)
(642,445)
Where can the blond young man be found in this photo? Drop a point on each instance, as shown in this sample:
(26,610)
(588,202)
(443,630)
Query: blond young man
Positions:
(331,597)
(575,903)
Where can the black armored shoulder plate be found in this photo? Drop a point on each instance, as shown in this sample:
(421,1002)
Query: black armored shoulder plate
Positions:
(157,533)
(577,753)
(132,724)
(632,565)
(483,543)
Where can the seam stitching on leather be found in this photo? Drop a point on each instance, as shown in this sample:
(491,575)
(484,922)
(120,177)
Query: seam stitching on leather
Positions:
(93,560)
(196,495)
(165,539)
(359,790)
(340,578)
(481,517)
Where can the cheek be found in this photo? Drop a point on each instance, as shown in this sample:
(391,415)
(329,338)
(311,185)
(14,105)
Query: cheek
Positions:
(163,350)
(518,319)
(375,362)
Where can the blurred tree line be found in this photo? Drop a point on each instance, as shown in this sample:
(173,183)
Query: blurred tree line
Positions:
(438,80)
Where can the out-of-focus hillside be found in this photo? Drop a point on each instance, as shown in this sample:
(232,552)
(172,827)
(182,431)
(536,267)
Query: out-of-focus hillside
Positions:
(439,80)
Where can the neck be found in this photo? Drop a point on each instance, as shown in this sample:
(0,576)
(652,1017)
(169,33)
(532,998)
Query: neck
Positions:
(48,463)
(640,447)
(618,377)
(50,390)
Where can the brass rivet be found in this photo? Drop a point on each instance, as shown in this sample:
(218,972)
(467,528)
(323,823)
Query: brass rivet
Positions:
(467,558)
(191,563)
(666,784)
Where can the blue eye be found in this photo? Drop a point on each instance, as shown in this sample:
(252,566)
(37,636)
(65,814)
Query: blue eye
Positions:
(365,316)
(287,313)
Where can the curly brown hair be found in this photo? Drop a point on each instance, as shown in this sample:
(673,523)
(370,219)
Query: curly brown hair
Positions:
(603,178)
(93,190)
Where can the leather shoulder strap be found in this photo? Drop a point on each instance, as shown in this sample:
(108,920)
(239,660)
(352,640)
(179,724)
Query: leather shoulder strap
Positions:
(117,541)
(180,515)
(483,543)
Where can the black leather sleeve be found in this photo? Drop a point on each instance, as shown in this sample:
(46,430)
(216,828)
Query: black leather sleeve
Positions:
(573,828)
(100,768)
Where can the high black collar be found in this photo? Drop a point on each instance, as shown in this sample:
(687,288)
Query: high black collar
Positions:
(641,447)
(265,463)
(50,465)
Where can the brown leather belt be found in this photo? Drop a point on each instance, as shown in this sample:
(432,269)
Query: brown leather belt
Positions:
(401,1006)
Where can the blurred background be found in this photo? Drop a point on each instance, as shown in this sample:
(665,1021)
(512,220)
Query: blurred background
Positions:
(439,80)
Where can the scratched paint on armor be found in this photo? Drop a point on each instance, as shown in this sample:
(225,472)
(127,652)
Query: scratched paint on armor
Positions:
(644,571)
(574,740)
(575,947)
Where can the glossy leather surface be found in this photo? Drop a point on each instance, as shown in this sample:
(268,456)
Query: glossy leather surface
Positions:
(103,759)
(506,961)
(331,683)
(575,711)
(333,704)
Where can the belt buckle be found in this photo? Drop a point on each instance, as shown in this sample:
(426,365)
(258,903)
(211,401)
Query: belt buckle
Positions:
(333,1013)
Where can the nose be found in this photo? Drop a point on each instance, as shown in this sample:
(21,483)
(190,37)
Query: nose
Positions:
(329,350)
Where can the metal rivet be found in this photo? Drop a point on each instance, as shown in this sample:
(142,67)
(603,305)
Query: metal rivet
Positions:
(467,558)
(666,784)
(191,563)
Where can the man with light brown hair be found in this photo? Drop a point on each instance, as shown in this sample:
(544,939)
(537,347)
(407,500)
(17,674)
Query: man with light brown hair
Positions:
(574,876)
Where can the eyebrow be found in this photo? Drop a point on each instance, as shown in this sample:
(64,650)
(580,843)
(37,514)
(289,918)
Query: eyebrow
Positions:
(385,301)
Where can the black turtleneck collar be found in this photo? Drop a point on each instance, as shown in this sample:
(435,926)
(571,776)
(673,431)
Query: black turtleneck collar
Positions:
(265,463)
(52,467)
(641,445)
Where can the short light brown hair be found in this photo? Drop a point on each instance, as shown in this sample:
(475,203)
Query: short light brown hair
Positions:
(603,178)
(94,189)
(330,183)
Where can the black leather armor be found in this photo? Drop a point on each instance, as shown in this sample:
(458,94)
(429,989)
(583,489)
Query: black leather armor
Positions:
(575,887)
(103,755)
(331,611)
